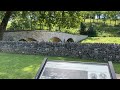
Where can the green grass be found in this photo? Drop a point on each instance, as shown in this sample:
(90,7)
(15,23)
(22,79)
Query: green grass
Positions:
(17,66)
(112,23)
(102,40)
(107,30)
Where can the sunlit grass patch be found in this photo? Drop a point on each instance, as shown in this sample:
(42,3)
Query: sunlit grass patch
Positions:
(102,40)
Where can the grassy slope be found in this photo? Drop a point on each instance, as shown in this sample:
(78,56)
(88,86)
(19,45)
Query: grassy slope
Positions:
(102,40)
(17,66)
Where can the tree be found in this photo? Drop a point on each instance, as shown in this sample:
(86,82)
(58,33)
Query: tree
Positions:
(91,32)
(82,28)
(109,15)
(98,13)
(90,15)
(84,14)
(4,23)
(23,20)
(115,15)
(93,14)
(49,20)
(112,15)
(104,13)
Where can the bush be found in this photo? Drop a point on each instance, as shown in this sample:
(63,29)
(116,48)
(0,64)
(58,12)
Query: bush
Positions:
(91,32)
(82,29)
(117,25)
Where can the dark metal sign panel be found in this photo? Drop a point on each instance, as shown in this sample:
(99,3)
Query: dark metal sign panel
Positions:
(74,70)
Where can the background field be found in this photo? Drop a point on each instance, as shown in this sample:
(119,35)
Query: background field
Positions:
(115,40)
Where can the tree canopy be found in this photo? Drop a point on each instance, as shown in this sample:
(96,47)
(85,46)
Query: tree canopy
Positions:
(53,20)
(29,20)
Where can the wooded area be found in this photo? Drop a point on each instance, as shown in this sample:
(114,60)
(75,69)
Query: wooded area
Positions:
(62,19)
(55,20)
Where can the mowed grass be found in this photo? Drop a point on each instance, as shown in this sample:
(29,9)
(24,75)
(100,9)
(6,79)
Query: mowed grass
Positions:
(108,22)
(18,66)
(115,40)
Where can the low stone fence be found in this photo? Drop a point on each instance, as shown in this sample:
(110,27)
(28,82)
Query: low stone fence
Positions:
(100,52)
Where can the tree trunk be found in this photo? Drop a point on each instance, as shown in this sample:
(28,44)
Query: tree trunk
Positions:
(115,22)
(90,19)
(4,23)
(99,16)
(49,21)
(97,20)
(59,28)
(62,21)
(40,20)
(104,22)
(40,23)
(43,25)
(31,23)
(93,19)
(84,19)
(110,21)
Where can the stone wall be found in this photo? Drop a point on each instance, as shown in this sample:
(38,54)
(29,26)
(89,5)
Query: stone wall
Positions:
(102,52)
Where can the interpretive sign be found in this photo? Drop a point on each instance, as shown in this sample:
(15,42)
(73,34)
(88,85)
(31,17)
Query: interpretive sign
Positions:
(56,69)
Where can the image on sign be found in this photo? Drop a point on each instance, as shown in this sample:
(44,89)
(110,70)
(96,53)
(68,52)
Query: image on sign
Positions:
(103,76)
(54,73)
(93,76)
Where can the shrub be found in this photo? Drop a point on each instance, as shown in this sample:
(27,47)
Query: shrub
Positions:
(82,29)
(91,32)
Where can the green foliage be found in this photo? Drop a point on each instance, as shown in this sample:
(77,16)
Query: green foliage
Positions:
(91,32)
(83,28)
(44,20)
(1,15)
(102,40)
(64,21)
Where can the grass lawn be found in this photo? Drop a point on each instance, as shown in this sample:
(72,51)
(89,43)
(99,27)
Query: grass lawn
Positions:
(17,66)
(102,40)
(107,21)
